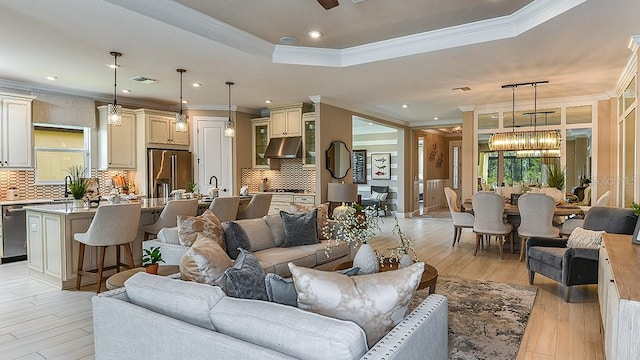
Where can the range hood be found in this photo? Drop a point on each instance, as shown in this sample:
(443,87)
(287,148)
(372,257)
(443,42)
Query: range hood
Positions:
(284,148)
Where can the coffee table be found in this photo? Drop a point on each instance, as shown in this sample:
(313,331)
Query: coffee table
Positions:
(429,276)
(117,280)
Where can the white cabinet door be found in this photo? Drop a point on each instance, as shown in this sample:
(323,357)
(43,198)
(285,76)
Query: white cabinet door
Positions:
(278,126)
(53,244)
(35,253)
(294,122)
(16,133)
(214,156)
(159,129)
(122,143)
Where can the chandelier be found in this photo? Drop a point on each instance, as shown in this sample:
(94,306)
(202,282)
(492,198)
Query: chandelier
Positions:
(181,118)
(526,140)
(114,111)
(229,129)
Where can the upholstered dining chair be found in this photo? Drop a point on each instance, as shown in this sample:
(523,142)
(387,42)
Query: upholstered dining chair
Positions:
(556,194)
(257,207)
(460,219)
(604,199)
(225,208)
(113,225)
(536,218)
(586,201)
(488,209)
(169,215)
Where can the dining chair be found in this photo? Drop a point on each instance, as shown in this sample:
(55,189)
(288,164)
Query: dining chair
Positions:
(586,201)
(488,209)
(536,218)
(257,207)
(604,199)
(225,208)
(113,225)
(556,194)
(460,219)
(169,215)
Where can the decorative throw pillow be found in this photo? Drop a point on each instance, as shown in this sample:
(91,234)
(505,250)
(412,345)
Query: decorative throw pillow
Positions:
(300,229)
(206,224)
(245,279)
(282,290)
(379,196)
(205,262)
(274,221)
(376,302)
(323,215)
(585,239)
(235,237)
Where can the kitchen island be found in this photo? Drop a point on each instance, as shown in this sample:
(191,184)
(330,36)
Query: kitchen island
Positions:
(52,254)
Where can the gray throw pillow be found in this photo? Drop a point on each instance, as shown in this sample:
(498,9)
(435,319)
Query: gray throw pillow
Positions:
(300,229)
(245,279)
(235,237)
(282,291)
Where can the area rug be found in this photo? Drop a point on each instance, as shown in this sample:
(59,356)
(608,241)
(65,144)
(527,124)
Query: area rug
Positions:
(486,319)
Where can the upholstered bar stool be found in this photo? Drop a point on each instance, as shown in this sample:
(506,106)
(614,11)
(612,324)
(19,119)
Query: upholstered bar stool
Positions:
(225,208)
(169,215)
(488,209)
(257,207)
(113,225)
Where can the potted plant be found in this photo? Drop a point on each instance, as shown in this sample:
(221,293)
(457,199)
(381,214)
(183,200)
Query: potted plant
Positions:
(151,259)
(585,181)
(636,208)
(78,185)
(555,178)
(192,188)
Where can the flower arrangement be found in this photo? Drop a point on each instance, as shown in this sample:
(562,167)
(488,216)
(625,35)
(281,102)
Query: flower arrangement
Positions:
(405,247)
(353,227)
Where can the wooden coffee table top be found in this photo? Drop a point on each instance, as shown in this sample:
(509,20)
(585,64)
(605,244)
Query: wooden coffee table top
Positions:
(117,280)
(429,276)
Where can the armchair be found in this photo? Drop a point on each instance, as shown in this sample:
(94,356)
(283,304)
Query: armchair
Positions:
(380,201)
(573,266)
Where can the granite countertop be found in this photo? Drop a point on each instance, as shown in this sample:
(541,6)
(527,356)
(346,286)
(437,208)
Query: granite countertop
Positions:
(67,207)
(31,201)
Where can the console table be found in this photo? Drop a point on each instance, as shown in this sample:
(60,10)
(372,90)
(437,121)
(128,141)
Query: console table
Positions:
(619,296)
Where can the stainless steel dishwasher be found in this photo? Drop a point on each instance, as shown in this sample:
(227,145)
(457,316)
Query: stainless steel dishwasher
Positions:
(14,233)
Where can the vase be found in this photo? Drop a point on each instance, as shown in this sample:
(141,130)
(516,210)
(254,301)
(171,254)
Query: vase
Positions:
(78,203)
(405,261)
(152,269)
(366,260)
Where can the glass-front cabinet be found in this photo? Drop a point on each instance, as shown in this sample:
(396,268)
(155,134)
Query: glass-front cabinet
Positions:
(260,140)
(309,139)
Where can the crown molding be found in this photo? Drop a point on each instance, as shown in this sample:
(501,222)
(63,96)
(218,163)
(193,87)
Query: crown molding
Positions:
(528,17)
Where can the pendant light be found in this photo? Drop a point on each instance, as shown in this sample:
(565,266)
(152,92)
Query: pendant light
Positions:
(181,119)
(526,140)
(114,111)
(229,130)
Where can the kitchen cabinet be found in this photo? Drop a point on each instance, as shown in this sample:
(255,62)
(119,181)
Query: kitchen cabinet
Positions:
(619,296)
(15,131)
(259,140)
(161,129)
(117,144)
(282,202)
(286,121)
(309,140)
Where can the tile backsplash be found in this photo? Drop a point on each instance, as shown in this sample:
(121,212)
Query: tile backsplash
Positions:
(290,176)
(24,181)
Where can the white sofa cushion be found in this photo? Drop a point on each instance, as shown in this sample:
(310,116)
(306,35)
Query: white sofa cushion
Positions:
(205,262)
(294,332)
(169,235)
(183,300)
(376,302)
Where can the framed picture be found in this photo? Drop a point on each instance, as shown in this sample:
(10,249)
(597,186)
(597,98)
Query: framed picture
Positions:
(359,166)
(381,166)
(636,233)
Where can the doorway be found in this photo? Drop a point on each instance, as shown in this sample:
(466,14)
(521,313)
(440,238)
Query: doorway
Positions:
(214,156)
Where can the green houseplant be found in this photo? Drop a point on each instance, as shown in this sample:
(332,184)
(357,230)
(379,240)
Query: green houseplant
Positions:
(79,184)
(636,208)
(151,259)
(555,178)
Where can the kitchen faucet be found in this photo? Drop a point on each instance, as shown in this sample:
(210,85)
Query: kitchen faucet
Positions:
(213,177)
(67,181)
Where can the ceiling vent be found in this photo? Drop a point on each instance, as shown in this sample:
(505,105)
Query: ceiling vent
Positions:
(143,80)
(461,89)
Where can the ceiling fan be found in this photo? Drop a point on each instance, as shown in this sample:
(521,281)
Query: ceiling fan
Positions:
(328,4)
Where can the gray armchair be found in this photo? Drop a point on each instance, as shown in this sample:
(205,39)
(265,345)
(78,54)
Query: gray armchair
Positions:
(378,204)
(572,266)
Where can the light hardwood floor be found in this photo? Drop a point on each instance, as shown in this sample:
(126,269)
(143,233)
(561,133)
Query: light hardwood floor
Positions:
(40,322)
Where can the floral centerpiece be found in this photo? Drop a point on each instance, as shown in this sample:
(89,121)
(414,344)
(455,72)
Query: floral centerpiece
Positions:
(404,254)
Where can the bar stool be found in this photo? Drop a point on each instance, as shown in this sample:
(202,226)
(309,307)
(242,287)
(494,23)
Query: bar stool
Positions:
(225,208)
(113,225)
(169,215)
(257,207)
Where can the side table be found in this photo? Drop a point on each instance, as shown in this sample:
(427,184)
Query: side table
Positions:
(117,280)
(429,276)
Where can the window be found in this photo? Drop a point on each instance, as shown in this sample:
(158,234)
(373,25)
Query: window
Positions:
(516,170)
(56,149)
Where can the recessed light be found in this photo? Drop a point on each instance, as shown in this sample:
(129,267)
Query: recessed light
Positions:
(267,101)
(435,118)
(289,40)
(370,123)
(404,106)
(197,84)
(315,34)
(126,91)
(52,78)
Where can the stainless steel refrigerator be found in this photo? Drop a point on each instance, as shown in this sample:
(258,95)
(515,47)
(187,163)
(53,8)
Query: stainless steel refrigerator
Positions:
(168,170)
